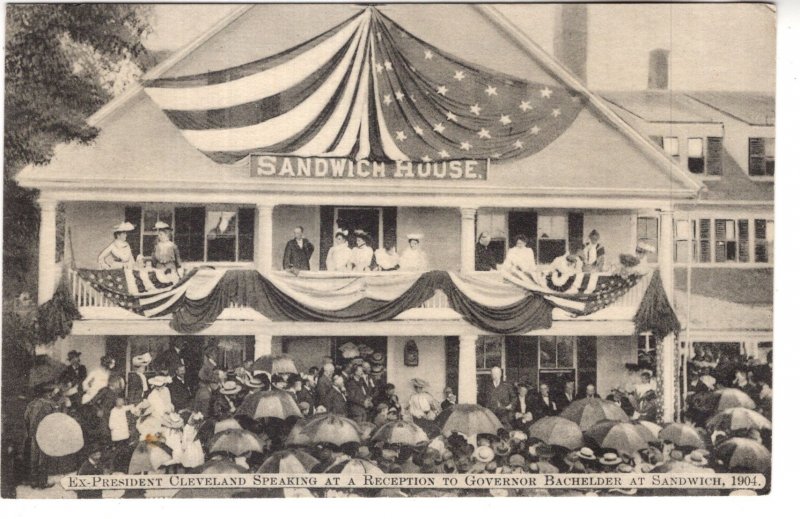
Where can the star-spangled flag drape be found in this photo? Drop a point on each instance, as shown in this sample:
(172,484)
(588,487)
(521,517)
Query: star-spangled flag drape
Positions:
(366,89)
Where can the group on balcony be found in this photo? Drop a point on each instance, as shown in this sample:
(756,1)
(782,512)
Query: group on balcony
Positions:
(165,255)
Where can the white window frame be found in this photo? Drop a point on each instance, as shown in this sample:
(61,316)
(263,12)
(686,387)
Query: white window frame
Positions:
(380,223)
(694,248)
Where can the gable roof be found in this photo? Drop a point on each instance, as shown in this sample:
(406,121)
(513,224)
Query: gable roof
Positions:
(135,130)
(754,108)
(659,106)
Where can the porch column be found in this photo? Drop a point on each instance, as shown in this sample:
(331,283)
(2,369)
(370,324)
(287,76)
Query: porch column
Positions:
(264,238)
(467,370)
(47,249)
(263,346)
(468,239)
(668,349)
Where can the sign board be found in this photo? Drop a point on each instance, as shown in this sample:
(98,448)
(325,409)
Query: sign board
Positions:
(287,166)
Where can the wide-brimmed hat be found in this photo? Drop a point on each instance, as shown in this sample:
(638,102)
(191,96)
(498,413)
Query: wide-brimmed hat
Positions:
(229,387)
(516,460)
(72,354)
(142,360)
(586,454)
(124,227)
(418,382)
(365,350)
(696,458)
(610,458)
(349,350)
(162,226)
(415,236)
(643,246)
(624,468)
(172,421)
(159,380)
(483,454)
(377,369)
(377,358)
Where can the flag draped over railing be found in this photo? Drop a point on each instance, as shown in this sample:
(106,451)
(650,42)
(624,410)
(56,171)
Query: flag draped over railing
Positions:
(366,89)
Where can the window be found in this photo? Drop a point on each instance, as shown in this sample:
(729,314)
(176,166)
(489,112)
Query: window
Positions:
(553,232)
(697,161)
(201,234)
(731,241)
(704,239)
(489,352)
(647,231)
(764,238)
(556,352)
(762,157)
(671,147)
(684,241)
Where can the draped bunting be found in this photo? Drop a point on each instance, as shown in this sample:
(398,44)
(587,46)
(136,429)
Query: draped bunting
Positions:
(486,301)
(366,89)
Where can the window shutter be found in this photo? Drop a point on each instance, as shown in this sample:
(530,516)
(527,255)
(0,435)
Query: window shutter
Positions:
(756,153)
(705,240)
(389,225)
(715,151)
(719,241)
(575,230)
(744,240)
(247,228)
(325,234)
(134,215)
(190,225)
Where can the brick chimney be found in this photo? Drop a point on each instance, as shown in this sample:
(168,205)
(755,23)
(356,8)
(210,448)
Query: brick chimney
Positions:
(658,74)
(571,39)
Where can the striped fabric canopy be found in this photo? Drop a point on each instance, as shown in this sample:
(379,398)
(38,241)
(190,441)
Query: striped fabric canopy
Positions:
(366,89)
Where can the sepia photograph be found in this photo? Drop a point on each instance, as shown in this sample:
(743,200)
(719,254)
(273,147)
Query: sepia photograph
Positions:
(395,250)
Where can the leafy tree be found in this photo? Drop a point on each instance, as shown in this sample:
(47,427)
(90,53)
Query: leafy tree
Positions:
(61,65)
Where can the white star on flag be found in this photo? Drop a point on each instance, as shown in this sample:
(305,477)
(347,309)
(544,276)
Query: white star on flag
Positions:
(426,158)
(546,92)
(535,130)
(491,91)
(441,90)
(444,154)
(419,130)
(484,134)
(399,95)
(387,99)
(518,144)
(466,145)
(379,68)
(459,75)
(475,109)
(495,155)
(504,119)
(451,116)
(428,54)
(525,106)
(556,112)
(439,128)
(400,135)
(388,65)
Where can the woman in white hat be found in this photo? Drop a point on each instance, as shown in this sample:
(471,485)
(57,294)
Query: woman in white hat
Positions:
(520,256)
(362,254)
(165,254)
(159,397)
(414,258)
(338,259)
(118,254)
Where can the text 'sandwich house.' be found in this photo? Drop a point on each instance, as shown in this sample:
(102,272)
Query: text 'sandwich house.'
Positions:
(385,130)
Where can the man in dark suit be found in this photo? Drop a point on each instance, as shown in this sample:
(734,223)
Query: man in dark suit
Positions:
(297,255)
(358,399)
(73,375)
(324,384)
(91,467)
(179,390)
(590,391)
(137,386)
(168,361)
(335,400)
(501,397)
(565,396)
(543,404)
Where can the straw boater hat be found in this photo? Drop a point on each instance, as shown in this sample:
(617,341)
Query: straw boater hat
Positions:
(377,358)
(610,458)
(161,226)
(418,382)
(172,421)
(643,246)
(586,454)
(159,380)
(124,227)
(483,454)
(142,360)
(696,458)
(229,387)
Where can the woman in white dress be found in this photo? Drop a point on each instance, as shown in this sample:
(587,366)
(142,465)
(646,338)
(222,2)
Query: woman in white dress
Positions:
(159,397)
(192,450)
(338,259)
(172,429)
(97,379)
(118,254)
(520,256)
(387,258)
(361,256)
(414,258)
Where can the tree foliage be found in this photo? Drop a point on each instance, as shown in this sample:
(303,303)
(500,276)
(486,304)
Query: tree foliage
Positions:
(54,56)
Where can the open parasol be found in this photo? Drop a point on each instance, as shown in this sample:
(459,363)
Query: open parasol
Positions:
(745,455)
(588,411)
(468,419)
(149,456)
(737,418)
(732,397)
(269,404)
(354,466)
(221,466)
(400,432)
(292,461)
(59,434)
(237,442)
(557,430)
(651,428)
(328,428)
(275,364)
(623,437)
(366,429)
(682,435)
(226,425)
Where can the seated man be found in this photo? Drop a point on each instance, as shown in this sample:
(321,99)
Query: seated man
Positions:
(568,264)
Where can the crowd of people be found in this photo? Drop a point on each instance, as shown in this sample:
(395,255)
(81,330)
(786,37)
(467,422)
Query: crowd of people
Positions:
(156,403)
